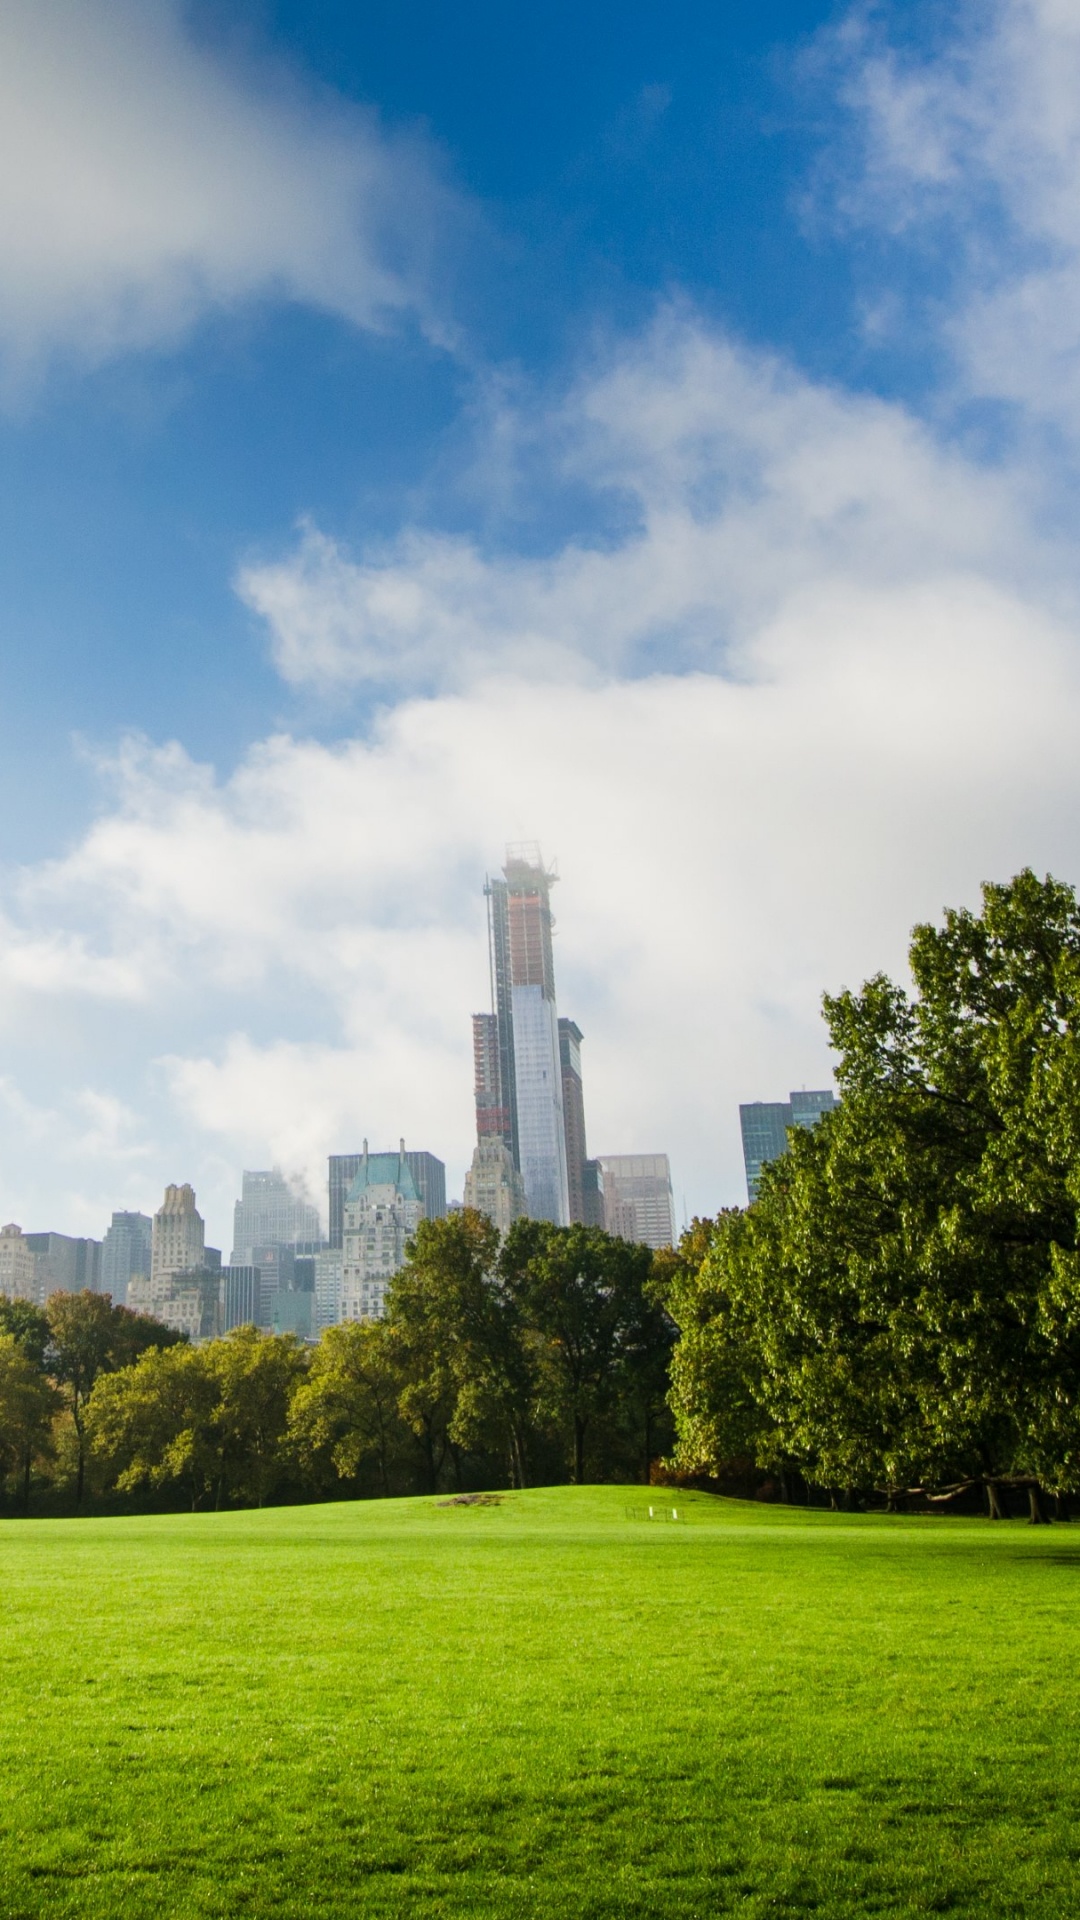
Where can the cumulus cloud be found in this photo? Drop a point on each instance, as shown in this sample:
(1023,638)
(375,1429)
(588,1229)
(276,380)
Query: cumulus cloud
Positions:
(143,183)
(978,146)
(871,703)
(742,485)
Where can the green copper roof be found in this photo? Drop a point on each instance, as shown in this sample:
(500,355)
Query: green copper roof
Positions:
(384,1170)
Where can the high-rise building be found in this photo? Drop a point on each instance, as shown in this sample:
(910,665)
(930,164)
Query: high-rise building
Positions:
(328,1287)
(764,1125)
(638,1203)
(573,1103)
(593,1194)
(125,1251)
(493,1184)
(189,1302)
(270,1213)
(186,1285)
(18,1267)
(429,1178)
(240,1296)
(516,1047)
(65,1263)
(179,1235)
(383,1209)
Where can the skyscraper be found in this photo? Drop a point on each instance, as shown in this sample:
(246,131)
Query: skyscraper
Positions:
(125,1251)
(382,1211)
(764,1125)
(65,1263)
(18,1267)
(573,1101)
(516,1047)
(493,1184)
(179,1237)
(429,1176)
(270,1213)
(638,1202)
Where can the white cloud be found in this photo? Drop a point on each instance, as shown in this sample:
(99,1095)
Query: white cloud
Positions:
(980,144)
(744,484)
(143,182)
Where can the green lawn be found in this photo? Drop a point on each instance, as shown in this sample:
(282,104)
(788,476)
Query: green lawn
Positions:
(548,1707)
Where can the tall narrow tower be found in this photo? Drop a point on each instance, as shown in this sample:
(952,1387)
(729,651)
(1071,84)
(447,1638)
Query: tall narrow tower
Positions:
(519,1078)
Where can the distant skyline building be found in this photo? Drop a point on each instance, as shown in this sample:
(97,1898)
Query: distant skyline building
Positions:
(187,1301)
(638,1201)
(429,1178)
(493,1184)
(573,1105)
(518,1048)
(271,1213)
(178,1241)
(328,1266)
(382,1211)
(240,1289)
(125,1251)
(18,1267)
(65,1263)
(764,1126)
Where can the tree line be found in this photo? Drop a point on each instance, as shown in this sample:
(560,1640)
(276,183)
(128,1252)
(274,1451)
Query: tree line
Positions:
(542,1356)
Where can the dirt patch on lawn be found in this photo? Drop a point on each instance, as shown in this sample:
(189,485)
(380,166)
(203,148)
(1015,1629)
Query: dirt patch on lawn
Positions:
(472,1500)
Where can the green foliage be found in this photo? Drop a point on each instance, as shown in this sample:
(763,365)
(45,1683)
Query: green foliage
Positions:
(27,1409)
(209,1421)
(88,1336)
(901,1304)
(344,1417)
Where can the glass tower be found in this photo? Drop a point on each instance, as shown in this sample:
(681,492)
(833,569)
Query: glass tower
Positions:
(765,1124)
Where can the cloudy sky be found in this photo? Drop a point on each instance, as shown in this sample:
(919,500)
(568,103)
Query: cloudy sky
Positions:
(652,431)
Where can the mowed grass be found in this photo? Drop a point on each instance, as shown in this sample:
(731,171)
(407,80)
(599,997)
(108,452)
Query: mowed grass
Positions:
(549,1707)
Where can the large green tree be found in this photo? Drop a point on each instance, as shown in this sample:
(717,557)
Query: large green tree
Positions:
(905,1289)
(344,1420)
(28,1403)
(88,1336)
(589,1321)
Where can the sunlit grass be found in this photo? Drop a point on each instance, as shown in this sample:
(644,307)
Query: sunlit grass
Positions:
(550,1707)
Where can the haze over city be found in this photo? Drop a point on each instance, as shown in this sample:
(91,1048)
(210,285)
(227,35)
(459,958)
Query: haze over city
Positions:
(365,512)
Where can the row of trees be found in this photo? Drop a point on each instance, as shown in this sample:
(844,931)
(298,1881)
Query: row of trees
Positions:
(543,1356)
(901,1308)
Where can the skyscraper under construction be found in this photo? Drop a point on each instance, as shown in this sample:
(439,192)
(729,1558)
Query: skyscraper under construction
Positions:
(524,1064)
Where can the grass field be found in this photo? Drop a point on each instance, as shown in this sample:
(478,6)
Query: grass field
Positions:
(548,1707)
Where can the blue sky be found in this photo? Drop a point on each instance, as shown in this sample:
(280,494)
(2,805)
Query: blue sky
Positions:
(652,430)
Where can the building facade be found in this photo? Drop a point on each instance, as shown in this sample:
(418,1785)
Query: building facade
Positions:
(493,1184)
(638,1201)
(18,1267)
(764,1126)
(270,1213)
(240,1296)
(125,1251)
(178,1242)
(188,1302)
(328,1287)
(429,1178)
(382,1211)
(65,1263)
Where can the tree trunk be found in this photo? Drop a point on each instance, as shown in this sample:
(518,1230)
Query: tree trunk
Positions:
(579,1450)
(1038,1516)
(27,1463)
(995,1500)
(81,1474)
